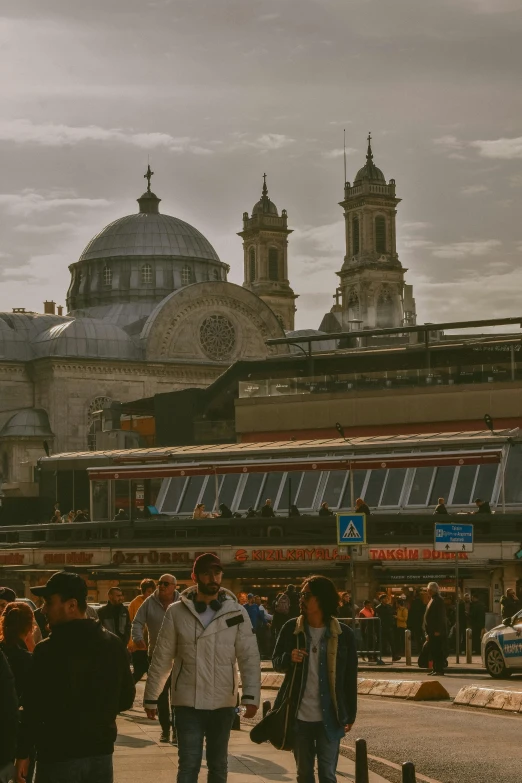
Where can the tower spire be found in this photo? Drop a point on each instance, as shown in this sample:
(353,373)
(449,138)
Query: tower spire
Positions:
(148,176)
(265,189)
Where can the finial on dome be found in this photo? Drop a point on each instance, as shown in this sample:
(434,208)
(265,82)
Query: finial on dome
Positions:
(265,189)
(369,154)
(148,176)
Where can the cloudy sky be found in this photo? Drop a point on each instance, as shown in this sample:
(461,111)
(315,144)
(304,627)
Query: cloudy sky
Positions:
(218,91)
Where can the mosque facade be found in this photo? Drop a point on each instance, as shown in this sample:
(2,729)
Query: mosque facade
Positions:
(149,309)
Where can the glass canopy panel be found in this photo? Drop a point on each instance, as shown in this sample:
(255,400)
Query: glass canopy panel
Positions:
(271,488)
(190,498)
(308,489)
(173,495)
(228,488)
(334,488)
(441,485)
(359,477)
(393,488)
(251,491)
(292,481)
(420,487)
(464,486)
(486,479)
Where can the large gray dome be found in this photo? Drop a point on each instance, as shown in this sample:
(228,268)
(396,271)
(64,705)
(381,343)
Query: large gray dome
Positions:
(147,234)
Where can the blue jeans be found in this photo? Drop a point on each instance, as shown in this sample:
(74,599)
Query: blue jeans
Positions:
(311,741)
(93,769)
(193,727)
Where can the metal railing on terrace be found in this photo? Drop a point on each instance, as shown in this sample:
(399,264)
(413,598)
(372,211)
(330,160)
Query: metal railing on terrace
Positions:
(501,372)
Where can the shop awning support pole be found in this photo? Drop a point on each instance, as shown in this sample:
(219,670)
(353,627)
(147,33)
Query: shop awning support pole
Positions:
(457,606)
(352,496)
(502,481)
(217,490)
(352,584)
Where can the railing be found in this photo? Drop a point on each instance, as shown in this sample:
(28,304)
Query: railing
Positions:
(385,380)
(382,531)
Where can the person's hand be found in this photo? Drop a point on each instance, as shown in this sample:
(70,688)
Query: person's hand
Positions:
(151,714)
(140,645)
(250,710)
(348,728)
(21,768)
(298,656)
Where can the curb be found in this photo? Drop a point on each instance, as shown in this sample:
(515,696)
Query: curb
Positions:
(489,698)
(414,667)
(416,690)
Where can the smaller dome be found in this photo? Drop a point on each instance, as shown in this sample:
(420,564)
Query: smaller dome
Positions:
(264,206)
(28,423)
(370,171)
(86,338)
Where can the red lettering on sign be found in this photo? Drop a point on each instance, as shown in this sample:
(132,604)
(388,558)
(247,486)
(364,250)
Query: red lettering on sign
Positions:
(241,556)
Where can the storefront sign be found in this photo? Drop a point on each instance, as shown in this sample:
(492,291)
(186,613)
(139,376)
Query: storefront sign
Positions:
(287,555)
(415,577)
(12,558)
(405,553)
(152,557)
(68,558)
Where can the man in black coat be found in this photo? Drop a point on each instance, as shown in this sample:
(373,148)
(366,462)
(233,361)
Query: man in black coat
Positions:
(509,604)
(384,611)
(114,616)
(78,682)
(436,631)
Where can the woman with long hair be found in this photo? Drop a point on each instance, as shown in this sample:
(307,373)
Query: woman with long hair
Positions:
(318,656)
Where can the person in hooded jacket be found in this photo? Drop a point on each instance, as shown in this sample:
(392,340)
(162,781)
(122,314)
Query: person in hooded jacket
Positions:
(78,682)
(204,638)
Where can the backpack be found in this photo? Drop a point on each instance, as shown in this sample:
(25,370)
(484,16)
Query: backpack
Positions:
(282,604)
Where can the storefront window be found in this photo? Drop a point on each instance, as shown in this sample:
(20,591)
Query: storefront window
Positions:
(173,495)
(100,501)
(121,497)
(393,488)
(464,486)
(441,485)
(334,487)
(485,485)
(251,490)
(192,492)
(420,487)
(372,495)
(307,490)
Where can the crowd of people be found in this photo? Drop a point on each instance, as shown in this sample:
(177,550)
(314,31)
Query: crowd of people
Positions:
(82,515)
(267,511)
(67,671)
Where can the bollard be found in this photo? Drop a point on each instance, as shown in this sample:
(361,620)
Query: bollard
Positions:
(266,707)
(408,773)
(469,646)
(407,646)
(361,762)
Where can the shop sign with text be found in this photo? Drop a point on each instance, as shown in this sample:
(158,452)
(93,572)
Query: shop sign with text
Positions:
(407,553)
(288,555)
(152,557)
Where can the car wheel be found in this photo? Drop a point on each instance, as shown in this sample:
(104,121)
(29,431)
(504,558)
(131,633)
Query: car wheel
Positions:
(495,665)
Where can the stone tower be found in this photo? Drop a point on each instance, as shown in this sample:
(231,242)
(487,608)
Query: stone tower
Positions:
(372,289)
(265,243)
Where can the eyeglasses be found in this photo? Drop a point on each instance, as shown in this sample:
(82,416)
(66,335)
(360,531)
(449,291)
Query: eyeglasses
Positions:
(305,595)
(165,584)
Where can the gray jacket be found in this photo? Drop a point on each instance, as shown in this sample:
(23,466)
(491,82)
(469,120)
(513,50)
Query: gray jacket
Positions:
(150,614)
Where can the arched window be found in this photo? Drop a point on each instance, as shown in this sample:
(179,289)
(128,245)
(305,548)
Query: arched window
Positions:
(215,274)
(186,275)
(252,264)
(146,274)
(107,275)
(385,308)
(353,306)
(273,263)
(380,234)
(355,236)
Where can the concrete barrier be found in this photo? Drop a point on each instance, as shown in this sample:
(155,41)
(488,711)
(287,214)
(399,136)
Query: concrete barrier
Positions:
(416,690)
(489,698)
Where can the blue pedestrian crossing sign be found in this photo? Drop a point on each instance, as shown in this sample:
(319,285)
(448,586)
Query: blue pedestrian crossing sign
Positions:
(351,529)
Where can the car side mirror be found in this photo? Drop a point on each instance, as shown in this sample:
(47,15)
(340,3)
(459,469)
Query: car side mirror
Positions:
(507,622)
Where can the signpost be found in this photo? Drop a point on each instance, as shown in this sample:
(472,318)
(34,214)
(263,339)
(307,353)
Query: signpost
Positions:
(452,537)
(351,532)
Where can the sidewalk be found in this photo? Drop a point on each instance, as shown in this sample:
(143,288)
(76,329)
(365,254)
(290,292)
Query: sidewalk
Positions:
(139,756)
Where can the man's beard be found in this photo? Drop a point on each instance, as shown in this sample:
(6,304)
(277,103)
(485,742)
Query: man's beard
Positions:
(210,589)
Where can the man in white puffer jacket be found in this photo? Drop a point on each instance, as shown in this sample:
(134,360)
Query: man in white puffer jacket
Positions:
(203,639)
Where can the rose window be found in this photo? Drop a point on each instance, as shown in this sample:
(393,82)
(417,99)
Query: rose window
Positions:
(218,337)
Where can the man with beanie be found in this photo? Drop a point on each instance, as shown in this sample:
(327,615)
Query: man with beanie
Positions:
(204,638)
(78,682)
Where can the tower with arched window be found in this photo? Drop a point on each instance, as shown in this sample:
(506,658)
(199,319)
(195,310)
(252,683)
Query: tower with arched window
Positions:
(372,277)
(265,242)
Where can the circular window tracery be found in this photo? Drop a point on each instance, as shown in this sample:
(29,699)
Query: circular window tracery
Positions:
(217,337)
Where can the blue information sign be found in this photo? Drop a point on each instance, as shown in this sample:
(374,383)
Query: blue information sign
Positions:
(452,537)
(351,529)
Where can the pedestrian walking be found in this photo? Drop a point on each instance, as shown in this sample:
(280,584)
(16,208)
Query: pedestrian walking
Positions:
(369,631)
(384,611)
(416,614)
(510,604)
(150,616)
(204,638)
(464,619)
(401,621)
(8,721)
(477,618)
(435,627)
(114,616)
(140,659)
(318,654)
(78,682)
(263,638)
